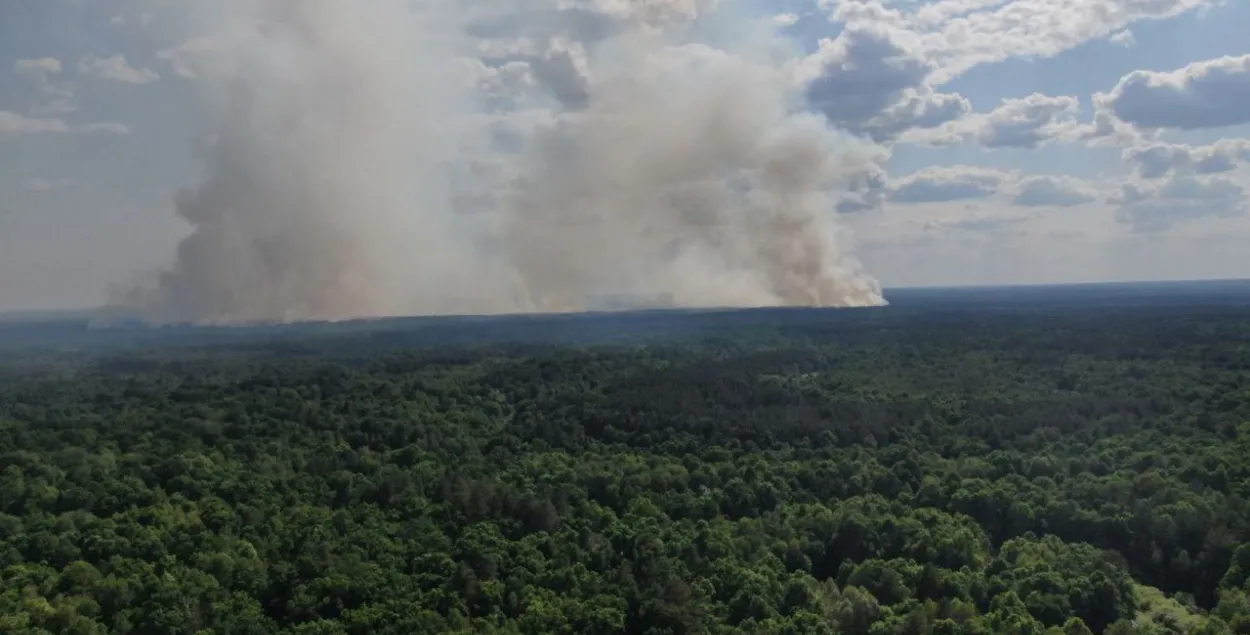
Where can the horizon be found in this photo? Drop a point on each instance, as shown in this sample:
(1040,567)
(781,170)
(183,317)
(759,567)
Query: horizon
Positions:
(36,315)
(539,152)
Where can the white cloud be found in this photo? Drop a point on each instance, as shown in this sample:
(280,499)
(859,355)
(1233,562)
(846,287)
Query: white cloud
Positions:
(506,83)
(650,12)
(1107,130)
(53,98)
(1207,94)
(1017,123)
(920,109)
(960,34)
(1124,38)
(867,81)
(1157,207)
(15,125)
(1027,122)
(561,69)
(143,19)
(946,183)
(859,74)
(116,68)
(785,19)
(1158,160)
(197,56)
(869,191)
(880,75)
(1053,191)
(38,68)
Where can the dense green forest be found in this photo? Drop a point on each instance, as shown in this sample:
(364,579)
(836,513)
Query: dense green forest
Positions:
(1044,468)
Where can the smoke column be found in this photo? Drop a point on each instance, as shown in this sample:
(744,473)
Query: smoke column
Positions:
(383,158)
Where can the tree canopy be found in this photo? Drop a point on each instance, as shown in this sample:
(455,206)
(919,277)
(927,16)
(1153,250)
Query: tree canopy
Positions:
(1051,471)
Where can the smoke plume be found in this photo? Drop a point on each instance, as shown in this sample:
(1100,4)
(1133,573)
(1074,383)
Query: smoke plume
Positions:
(383,158)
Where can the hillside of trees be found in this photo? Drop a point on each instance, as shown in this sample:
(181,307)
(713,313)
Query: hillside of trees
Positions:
(1050,469)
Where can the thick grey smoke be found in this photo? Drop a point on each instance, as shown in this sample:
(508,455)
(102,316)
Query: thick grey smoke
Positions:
(380,158)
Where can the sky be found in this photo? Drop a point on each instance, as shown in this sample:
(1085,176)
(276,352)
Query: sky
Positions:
(1015,141)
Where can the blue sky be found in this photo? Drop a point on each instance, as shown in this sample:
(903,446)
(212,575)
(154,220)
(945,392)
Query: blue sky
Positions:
(1124,155)
(1089,68)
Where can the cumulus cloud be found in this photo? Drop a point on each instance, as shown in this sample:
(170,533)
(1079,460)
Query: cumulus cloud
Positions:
(1157,160)
(16,125)
(1017,123)
(1124,38)
(869,190)
(1107,130)
(921,109)
(144,19)
(1027,122)
(860,73)
(866,81)
(115,68)
(560,69)
(920,47)
(1157,207)
(38,68)
(944,184)
(191,58)
(1053,191)
(52,98)
(960,34)
(1206,94)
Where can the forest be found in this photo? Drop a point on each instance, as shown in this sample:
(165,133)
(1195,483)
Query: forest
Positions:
(1053,463)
